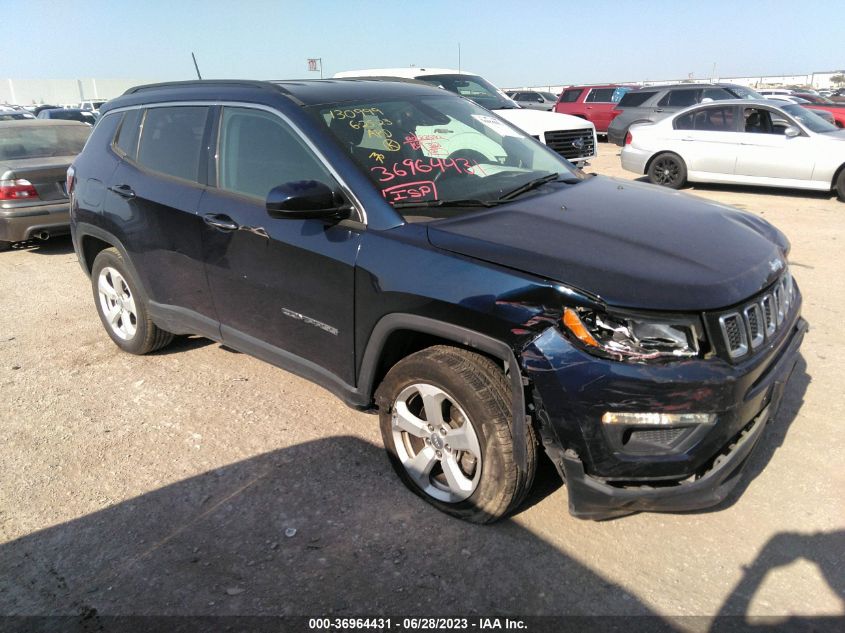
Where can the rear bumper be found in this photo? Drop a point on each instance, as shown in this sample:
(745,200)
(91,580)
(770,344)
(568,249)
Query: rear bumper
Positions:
(634,159)
(616,135)
(23,223)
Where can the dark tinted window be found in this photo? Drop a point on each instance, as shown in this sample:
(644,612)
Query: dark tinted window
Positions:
(719,119)
(602,95)
(171,141)
(258,151)
(717,94)
(633,99)
(570,96)
(680,98)
(127,137)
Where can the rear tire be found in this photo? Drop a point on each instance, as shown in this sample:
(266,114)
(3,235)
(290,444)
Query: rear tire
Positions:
(122,309)
(840,185)
(668,170)
(446,421)
(5,246)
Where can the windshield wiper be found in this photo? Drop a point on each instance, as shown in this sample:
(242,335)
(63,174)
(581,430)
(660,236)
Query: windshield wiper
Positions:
(445,203)
(537,182)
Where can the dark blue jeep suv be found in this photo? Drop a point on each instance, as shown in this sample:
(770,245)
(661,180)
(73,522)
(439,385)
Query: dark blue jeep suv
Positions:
(421,258)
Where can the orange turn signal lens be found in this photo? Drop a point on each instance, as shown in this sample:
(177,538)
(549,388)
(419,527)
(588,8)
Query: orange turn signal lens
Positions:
(574,324)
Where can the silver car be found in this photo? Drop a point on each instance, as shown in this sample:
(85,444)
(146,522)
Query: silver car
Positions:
(534,99)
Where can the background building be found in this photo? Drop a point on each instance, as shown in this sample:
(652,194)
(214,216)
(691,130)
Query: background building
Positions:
(63,91)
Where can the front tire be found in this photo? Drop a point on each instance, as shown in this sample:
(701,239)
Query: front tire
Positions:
(446,421)
(121,307)
(668,170)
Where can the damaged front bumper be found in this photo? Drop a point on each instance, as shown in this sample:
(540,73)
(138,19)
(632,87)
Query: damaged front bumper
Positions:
(697,467)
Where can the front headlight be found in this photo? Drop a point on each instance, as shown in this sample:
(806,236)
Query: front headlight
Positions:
(631,338)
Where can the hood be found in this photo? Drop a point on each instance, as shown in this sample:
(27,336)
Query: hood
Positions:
(537,122)
(633,245)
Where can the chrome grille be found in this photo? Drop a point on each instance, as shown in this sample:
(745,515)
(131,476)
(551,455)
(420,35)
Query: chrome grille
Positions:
(748,327)
(572,143)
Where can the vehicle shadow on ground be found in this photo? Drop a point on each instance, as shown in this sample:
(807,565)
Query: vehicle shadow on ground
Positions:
(321,529)
(826,550)
(223,542)
(59,245)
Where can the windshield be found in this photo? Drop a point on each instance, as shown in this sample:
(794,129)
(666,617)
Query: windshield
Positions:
(744,93)
(810,119)
(472,87)
(30,141)
(438,150)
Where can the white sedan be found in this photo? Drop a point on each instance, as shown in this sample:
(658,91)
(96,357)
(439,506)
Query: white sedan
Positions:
(740,142)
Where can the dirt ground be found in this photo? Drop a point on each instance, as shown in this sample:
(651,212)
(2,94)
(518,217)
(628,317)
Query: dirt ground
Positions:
(173,483)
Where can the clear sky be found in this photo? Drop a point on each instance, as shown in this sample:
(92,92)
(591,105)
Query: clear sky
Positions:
(509,42)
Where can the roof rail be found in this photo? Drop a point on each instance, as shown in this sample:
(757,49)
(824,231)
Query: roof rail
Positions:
(201,82)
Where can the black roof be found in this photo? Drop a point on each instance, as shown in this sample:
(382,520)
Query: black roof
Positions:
(303,92)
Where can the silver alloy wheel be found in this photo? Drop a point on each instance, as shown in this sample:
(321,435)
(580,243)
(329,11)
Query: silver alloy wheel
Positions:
(117,303)
(436,443)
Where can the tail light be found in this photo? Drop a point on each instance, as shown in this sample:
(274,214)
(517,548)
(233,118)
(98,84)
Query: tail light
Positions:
(629,138)
(70,180)
(19,189)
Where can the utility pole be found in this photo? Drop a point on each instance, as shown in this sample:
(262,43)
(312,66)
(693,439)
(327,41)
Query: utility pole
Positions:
(459,57)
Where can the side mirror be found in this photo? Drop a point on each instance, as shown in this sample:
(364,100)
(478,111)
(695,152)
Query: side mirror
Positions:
(304,200)
(791,131)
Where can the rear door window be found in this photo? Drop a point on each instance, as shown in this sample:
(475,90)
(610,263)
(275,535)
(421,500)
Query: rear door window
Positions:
(571,96)
(717,94)
(719,119)
(636,98)
(680,98)
(600,95)
(171,140)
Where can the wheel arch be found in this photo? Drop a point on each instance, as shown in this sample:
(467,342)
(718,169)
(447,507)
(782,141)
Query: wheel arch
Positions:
(90,240)
(397,335)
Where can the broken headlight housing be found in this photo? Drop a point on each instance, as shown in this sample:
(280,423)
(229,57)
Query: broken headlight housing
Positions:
(631,337)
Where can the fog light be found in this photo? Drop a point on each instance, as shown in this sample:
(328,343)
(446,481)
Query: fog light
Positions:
(657,419)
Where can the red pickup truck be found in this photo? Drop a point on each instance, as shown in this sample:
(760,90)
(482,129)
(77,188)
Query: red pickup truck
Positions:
(594,103)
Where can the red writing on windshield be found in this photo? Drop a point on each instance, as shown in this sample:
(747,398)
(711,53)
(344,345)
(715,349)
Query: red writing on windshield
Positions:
(415,166)
(410,191)
(427,142)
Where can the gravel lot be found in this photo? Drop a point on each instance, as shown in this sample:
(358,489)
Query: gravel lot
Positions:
(173,483)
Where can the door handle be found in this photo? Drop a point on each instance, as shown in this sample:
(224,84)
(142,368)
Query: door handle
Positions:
(124,191)
(658,110)
(220,221)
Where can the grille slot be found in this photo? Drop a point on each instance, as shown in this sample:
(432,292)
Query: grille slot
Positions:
(754,318)
(733,329)
(769,314)
(748,328)
(567,142)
